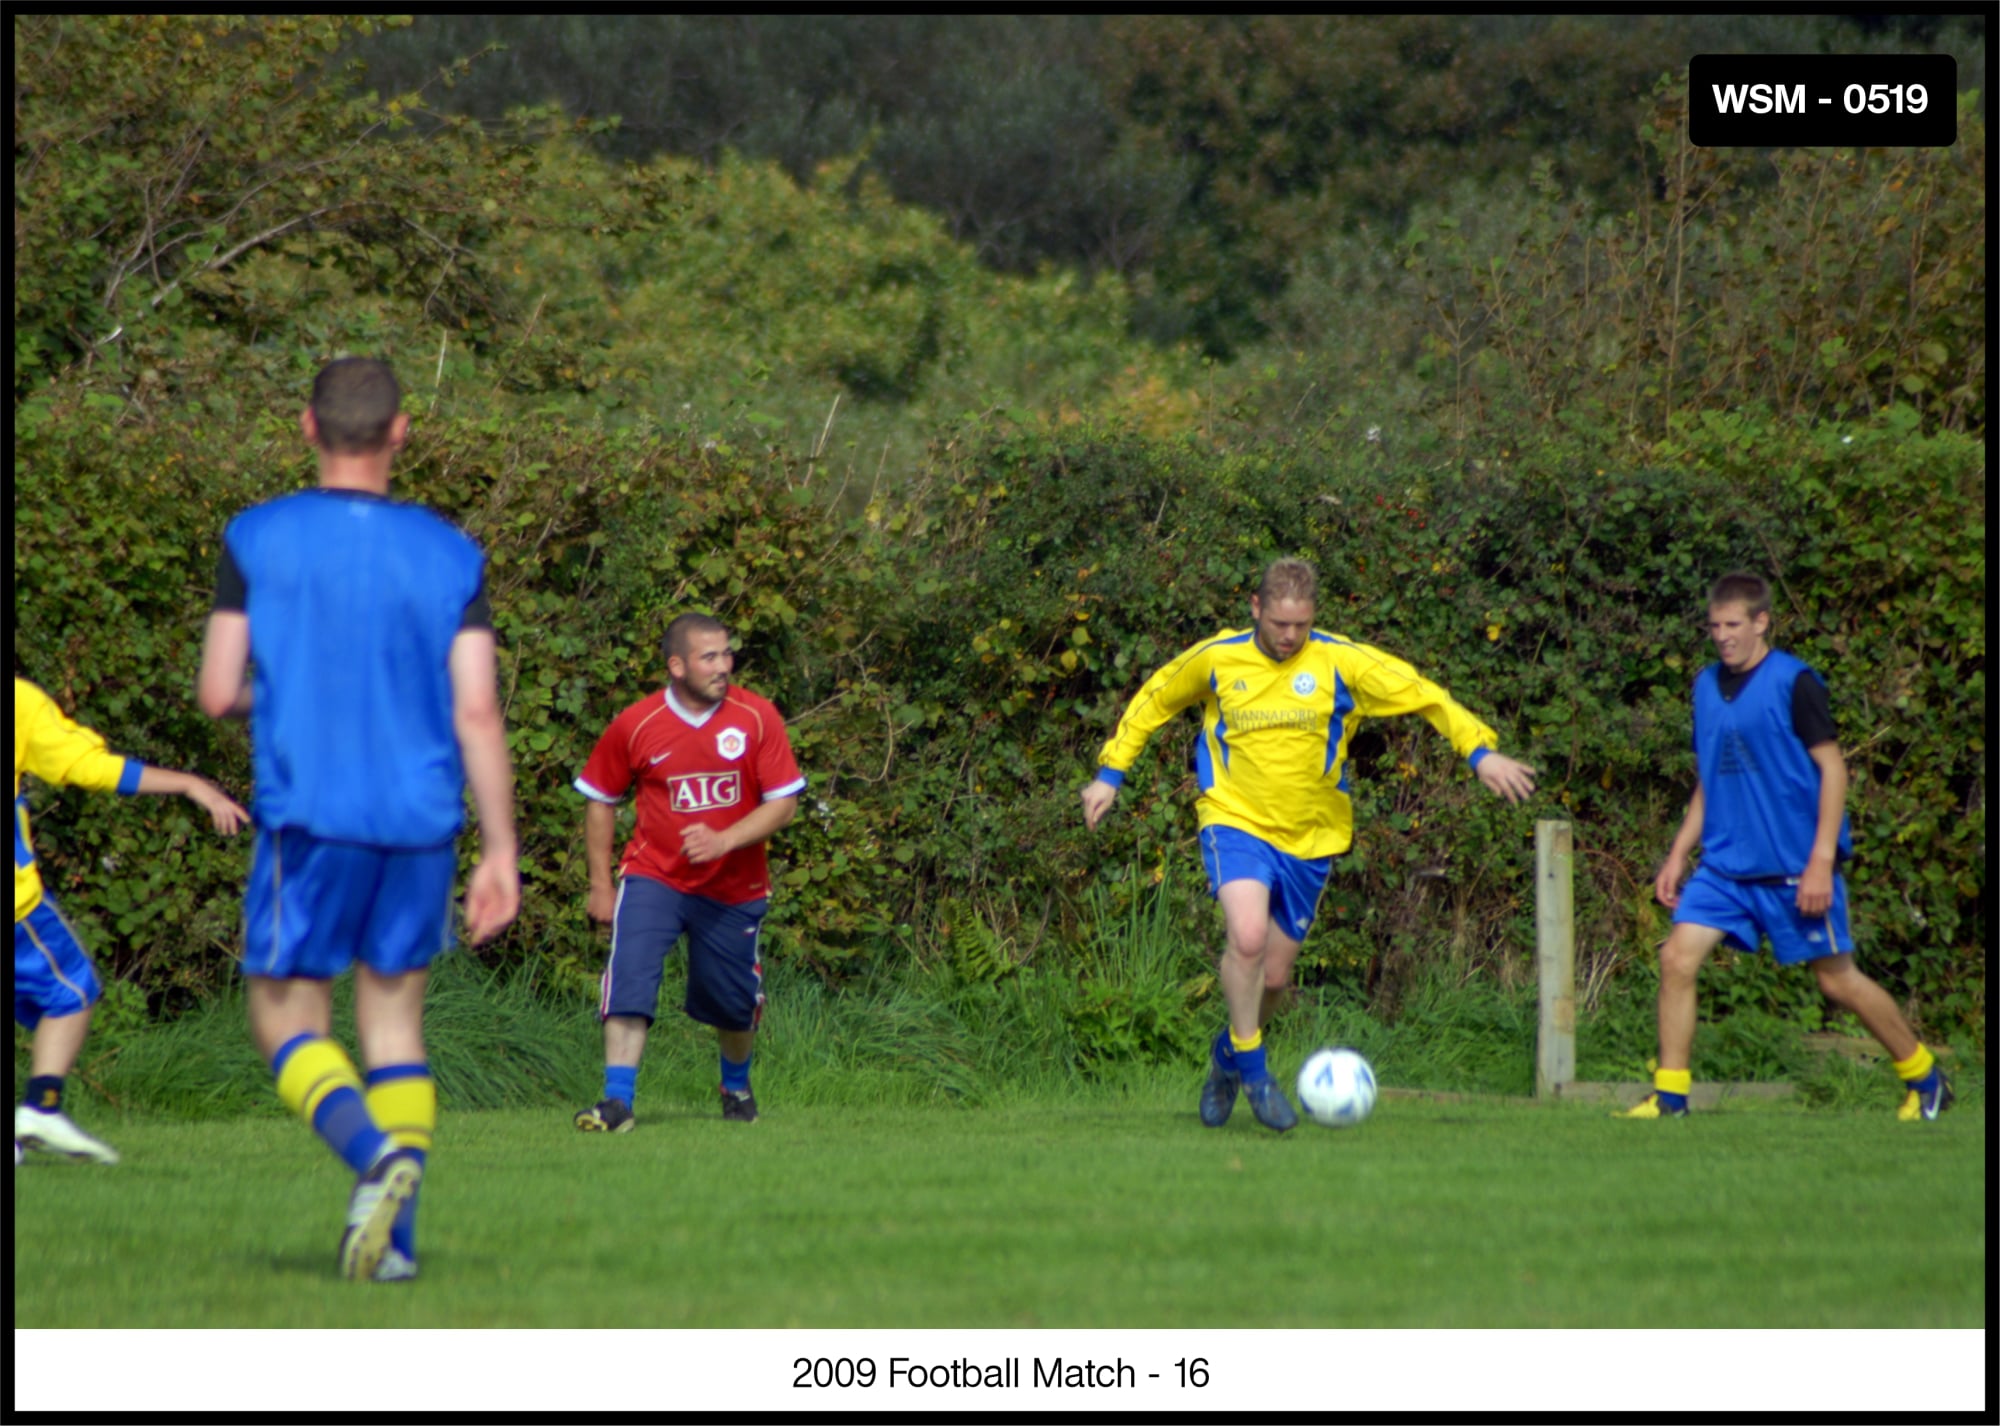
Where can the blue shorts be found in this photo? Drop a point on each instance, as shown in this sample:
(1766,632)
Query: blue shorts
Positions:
(313,908)
(1230,854)
(725,983)
(1745,911)
(52,975)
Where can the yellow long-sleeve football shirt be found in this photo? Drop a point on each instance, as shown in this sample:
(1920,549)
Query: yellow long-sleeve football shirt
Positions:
(49,745)
(1272,760)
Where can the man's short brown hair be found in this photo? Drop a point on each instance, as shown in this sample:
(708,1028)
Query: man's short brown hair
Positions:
(354,402)
(1740,586)
(674,645)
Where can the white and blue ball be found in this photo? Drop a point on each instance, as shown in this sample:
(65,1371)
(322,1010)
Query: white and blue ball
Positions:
(1336,1088)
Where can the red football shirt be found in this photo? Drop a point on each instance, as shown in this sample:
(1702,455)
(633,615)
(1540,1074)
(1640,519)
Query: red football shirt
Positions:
(713,768)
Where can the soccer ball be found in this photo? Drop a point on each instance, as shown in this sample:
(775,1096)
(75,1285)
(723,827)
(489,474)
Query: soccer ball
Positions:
(1337,1088)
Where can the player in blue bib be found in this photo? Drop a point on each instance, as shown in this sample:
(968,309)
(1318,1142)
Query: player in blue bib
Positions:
(1769,813)
(364,631)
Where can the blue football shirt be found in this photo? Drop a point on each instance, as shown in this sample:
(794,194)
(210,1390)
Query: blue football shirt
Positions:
(1760,787)
(353,601)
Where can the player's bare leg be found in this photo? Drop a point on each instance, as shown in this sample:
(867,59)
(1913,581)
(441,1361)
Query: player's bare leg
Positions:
(389,1016)
(624,1039)
(1844,983)
(1927,1089)
(1681,957)
(1281,953)
(1246,916)
(1244,974)
(624,1043)
(40,1122)
(58,1041)
(281,1008)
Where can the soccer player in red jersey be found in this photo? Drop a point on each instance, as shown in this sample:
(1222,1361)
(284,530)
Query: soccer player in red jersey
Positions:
(711,773)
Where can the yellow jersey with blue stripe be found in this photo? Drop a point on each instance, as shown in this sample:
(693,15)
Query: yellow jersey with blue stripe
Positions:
(49,745)
(1272,759)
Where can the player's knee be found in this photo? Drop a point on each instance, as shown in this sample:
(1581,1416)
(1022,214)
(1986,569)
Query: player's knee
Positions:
(1245,950)
(1838,979)
(1680,959)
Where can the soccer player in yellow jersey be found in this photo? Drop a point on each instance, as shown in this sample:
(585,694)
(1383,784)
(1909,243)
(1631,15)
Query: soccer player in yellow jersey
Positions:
(55,984)
(1280,702)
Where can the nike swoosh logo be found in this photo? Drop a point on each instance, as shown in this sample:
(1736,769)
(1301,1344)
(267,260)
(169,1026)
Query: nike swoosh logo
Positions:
(660,759)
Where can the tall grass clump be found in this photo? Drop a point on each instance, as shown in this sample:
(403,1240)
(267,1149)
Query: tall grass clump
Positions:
(494,1040)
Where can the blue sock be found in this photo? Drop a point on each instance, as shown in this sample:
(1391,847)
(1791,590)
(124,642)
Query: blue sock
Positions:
(317,1080)
(736,1077)
(1250,1064)
(1221,1051)
(622,1082)
(342,1119)
(403,1237)
(1672,1101)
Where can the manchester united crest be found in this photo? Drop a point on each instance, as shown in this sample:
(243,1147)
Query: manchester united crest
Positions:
(731,742)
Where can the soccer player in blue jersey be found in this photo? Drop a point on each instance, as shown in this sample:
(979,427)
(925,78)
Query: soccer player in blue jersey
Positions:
(373,702)
(1769,814)
(55,984)
(1280,703)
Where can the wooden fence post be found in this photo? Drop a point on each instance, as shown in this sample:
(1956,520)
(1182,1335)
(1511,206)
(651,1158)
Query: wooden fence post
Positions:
(1555,959)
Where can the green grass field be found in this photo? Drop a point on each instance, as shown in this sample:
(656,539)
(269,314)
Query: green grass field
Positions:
(1089,1210)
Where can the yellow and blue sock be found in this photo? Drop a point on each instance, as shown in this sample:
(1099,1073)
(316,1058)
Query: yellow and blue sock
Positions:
(44,1093)
(622,1082)
(317,1081)
(403,1099)
(1920,1070)
(735,1076)
(1249,1056)
(1673,1087)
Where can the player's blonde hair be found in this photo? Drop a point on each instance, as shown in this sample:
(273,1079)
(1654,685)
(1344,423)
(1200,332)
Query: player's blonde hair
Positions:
(1289,579)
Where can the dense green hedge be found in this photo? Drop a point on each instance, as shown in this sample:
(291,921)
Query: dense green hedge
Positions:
(1518,445)
(953,658)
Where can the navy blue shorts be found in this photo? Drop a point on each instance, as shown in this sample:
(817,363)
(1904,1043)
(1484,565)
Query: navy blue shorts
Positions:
(725,983)
(1745,911)
(1231,854)
(52,975)
(314,907)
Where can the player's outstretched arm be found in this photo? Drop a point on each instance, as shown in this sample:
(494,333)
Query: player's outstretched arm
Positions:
(222,809)
(493,897)
(1507,777)
(221,688)
(1098,795)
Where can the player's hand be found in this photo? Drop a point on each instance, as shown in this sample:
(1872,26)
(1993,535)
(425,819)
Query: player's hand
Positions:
(1507,777)
(1098,795)
(702,843)
(1667,882)
(1815,888)
(492,898)
(602,904)
(224,811)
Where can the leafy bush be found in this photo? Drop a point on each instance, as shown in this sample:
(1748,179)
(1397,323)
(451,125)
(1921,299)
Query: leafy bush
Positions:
(621,383)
